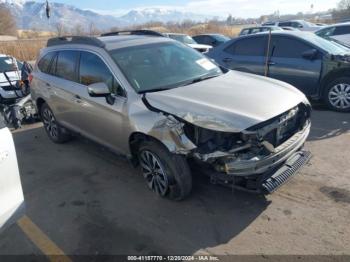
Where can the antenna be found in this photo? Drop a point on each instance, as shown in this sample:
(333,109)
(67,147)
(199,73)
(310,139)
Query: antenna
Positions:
(48,10)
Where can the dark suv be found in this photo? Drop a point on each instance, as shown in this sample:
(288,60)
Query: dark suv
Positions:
(319,68)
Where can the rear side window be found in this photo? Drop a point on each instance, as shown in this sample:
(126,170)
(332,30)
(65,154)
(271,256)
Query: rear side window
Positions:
(94,70)
(245,32)
(44,63)
(66,65)
(289,48)
(253,46)
(285,24)
(342,30)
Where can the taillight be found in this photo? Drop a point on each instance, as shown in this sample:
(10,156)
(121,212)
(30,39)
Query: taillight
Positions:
(30,78)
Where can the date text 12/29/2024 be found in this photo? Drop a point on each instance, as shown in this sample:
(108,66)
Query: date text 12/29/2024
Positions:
(173,258)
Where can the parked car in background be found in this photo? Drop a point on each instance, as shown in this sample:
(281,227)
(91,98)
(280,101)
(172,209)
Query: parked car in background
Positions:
(165,105)
(338,32)
(211,39)
(302,25)
(318,67)
(259,29)
(187,40)
(11,194)
(12,67)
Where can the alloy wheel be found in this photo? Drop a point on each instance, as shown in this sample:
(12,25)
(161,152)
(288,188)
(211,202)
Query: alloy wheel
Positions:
(50,123)
(153,172)
(339,96)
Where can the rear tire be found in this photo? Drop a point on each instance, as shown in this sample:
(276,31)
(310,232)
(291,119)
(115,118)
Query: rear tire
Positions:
(166,174)
(56,133)
(337,95)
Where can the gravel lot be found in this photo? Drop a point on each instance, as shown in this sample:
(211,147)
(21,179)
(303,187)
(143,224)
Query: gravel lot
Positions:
(90,201)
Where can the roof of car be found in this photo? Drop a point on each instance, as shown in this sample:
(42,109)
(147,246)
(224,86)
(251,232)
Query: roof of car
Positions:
(121,41)
(109,42)
(339,24)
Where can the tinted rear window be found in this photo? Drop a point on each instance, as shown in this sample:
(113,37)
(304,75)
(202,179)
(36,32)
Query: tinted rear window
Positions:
(66,65)
(44,62)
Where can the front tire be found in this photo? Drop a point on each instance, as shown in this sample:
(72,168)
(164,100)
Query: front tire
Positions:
(56,133)
(166,174)
(337,95)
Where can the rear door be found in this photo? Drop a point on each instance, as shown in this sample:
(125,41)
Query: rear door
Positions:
(288,64)
(246,54)
(11,194)
(64,89)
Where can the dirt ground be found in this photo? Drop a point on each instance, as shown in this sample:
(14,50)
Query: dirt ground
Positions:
(90,201)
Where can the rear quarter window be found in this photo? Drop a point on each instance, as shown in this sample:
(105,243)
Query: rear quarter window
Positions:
(45,61)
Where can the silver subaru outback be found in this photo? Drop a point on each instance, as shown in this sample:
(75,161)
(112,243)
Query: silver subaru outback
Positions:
(171,111)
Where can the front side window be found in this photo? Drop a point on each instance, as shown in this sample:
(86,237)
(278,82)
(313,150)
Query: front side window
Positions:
(161,66)
(289,48)
(245,32)
(66,65)
(93,70)
(253,46)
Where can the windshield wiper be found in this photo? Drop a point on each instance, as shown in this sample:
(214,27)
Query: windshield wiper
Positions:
(200,79)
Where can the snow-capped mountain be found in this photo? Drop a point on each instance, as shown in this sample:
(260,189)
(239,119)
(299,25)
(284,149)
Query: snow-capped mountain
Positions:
(140,16)
(32,15)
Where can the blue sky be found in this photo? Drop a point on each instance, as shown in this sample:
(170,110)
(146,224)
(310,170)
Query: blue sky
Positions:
(238,8)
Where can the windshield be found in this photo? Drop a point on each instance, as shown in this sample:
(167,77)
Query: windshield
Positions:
(6,64)
(162,66)
(330,47)
(185,39)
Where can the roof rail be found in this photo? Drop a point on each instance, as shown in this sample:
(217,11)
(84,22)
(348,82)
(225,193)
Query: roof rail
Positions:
(85,40)
(134,32)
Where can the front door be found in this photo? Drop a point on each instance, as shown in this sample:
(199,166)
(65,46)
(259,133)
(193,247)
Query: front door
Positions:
(100,118)
(288,64)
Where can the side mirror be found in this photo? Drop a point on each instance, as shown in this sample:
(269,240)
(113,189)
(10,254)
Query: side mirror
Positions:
(98,90)
(310,54)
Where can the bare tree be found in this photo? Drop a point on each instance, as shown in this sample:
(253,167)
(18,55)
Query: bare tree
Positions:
(93,30)
(343,10)
(78,30)
(344,5)
(60,29)
(7,22)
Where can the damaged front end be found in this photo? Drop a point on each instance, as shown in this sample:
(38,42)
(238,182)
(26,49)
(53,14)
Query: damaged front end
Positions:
(260,158)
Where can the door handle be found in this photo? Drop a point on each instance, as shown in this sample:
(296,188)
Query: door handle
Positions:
(227,59)
(47,84)
(271,63)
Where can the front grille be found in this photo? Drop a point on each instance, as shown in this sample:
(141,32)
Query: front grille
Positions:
(282,127)
(7,88)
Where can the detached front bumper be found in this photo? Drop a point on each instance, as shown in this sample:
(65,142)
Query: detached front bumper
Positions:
(282,153)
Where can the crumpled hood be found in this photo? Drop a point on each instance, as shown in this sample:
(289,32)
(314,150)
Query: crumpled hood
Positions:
(232,102)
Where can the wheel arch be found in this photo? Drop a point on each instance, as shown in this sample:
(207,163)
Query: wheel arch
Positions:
(331,77)
(135,139)
(39,103)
